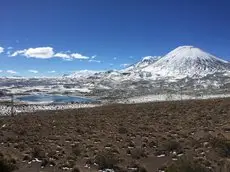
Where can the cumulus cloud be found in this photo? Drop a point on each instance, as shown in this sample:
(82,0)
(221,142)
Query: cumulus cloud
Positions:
(48,52)
(32,71)
(11,71)
(78,56)
(40,52)
(1,71)
(1,50)
(62,55)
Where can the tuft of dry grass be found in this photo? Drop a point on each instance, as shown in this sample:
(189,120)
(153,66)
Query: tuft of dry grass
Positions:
(7,164)
(185,165)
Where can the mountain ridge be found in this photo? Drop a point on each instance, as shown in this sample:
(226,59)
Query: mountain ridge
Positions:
(182,62)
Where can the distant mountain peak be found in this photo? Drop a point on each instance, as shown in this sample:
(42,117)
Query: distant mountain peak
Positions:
(187,61)
(82,74)
(145,61)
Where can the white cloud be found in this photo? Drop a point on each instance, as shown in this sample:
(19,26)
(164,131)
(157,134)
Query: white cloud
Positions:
(78,56)
(48,52)
(40,52)
(96,61)
(62,55)
(94,56)
(72,56)
(125,65)
(52,71)
(11,71)
(1,50)
(19,52)
(32,71)
(1,71)
(10,48)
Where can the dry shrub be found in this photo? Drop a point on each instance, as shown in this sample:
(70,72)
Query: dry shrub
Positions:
(106,159)
(75,169)
(122,130)
(184,165)
(37,152)
(76,150)
(7,164)
(138,153)
(221,146)
(171,145)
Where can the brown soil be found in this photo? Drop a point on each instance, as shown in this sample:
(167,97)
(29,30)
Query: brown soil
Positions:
(123,137)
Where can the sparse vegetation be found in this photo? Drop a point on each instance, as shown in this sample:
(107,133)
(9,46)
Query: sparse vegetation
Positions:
(221,145)
(114,136)
(37,152)
(138,153)
(171,145)
(76,150)
(122,130)
(184,165)
(75,169)
(7,164)
(106,159)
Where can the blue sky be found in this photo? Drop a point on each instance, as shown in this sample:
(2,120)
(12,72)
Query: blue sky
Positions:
(104,34)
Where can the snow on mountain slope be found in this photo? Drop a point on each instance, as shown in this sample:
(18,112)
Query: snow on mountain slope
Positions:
(143,63)
(184,61)
(187,61)
(82,74)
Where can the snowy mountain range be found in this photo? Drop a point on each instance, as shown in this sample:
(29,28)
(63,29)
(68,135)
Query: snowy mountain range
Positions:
(187,67)
(184,61)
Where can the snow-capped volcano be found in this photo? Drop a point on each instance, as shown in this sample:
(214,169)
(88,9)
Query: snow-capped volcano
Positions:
(187,61)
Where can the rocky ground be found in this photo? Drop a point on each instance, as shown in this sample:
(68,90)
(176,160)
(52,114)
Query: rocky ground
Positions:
(162,136)
(6,108)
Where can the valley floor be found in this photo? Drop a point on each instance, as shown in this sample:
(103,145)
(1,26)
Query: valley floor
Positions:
(122,137)
(6,109)
(170,97)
